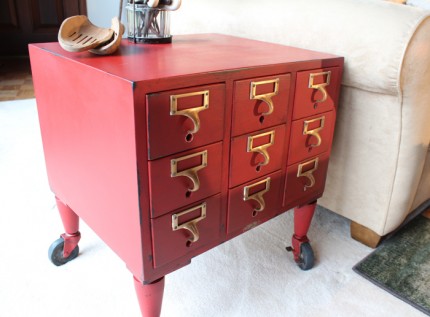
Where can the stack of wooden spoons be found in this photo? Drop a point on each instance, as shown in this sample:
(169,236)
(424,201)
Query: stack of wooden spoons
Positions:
(78,34)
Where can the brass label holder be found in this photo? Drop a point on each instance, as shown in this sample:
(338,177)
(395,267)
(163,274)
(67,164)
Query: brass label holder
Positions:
(267,97)
(258,196)
(191,173)
(314,132)
(191,113)
(191,225)
(261,149)
(309,173)
(321,86)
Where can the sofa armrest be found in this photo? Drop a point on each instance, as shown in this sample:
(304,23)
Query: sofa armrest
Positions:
(372,35)
(414,132)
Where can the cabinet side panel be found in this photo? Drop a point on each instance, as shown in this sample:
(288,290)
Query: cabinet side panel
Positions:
(87,127)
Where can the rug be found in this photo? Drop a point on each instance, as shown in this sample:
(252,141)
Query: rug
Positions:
(251,275)
(401,265)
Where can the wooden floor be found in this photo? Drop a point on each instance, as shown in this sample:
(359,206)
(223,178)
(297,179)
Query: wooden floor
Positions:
(15,79)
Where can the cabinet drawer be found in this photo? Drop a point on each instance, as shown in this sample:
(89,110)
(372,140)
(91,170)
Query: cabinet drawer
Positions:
(311,136)
(260,103)
(306,178)
(252,203)
(316,91)
(172,234)
(256,154)
(183,119)
(184,178)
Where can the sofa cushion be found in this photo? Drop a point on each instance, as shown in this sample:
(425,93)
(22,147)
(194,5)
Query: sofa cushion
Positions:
(372,35)
(424,4)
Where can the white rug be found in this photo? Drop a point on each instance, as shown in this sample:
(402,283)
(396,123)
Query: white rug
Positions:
(251,275)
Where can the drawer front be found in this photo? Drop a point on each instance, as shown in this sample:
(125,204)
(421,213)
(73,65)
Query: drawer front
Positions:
(311,136)
(306,178)
(316,91)
(184,119)
(184,178)
(254,155)
(252,203)
(183,231)
(260,103)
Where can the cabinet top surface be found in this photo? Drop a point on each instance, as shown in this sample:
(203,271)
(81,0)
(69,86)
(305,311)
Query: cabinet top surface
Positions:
(187,54)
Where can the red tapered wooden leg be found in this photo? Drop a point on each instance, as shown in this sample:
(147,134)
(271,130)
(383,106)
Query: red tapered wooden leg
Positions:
(66,248)
(150,297)
(301,248)
(68,217)
(70,221)
(302,219)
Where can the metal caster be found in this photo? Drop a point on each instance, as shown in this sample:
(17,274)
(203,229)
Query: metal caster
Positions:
(306,257)
(57,254)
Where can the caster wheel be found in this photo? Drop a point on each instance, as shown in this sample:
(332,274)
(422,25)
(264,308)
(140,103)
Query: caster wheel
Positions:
(55,253)
(306,258)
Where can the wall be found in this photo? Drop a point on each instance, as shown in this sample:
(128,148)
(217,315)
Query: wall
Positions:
(225,16)
(100,12)
(244,18)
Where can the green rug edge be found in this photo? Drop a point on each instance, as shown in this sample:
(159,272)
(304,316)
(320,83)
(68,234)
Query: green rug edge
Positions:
(406,241)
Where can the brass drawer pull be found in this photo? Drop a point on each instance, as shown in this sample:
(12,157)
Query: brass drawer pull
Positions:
(314,132)
(321,86)
(262,149)
(191,225)
(267,98)
(308,174)
(258,196)
(191,113)
(191,173)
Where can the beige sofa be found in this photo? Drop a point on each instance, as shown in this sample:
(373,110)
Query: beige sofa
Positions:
(379,171)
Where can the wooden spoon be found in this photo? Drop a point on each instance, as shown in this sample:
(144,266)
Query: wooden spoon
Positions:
(171,5)
(111,46)
(78,34)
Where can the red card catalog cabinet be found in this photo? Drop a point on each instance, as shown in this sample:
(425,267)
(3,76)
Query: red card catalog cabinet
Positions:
(169,150)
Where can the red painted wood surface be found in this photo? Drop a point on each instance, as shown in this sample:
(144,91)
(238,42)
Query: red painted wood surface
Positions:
(169,134)
(304,146)
(195,54)
(87,125)
(108,137)
(242,214)
(169,193)
(150,297)
(296,186)
(247,165)
(306,99)
(248,114)
(169,245)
